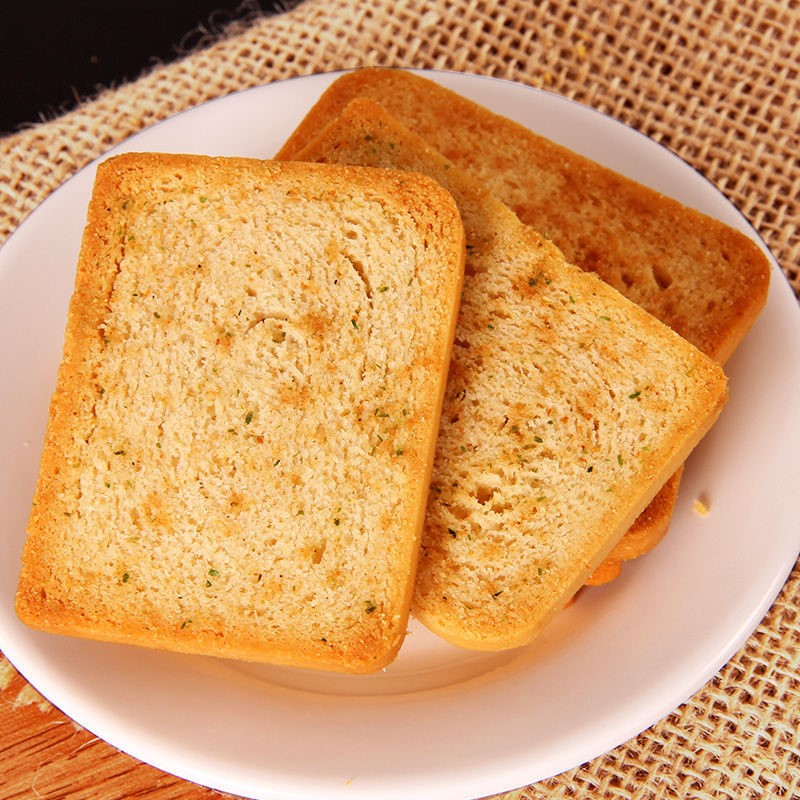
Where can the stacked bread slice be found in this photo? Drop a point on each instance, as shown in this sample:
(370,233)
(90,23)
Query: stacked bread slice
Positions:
(567,407)
(241,437)
(704,279)
(301,399)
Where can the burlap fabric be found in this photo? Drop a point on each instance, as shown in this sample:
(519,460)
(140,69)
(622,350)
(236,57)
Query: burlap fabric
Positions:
(716,82)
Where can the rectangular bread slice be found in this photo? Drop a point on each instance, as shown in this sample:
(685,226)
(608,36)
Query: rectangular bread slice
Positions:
(567,407)
(704,279)
(240,442)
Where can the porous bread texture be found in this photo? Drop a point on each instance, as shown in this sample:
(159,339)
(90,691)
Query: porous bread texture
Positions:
(567,407)
(240,441)
(700,277)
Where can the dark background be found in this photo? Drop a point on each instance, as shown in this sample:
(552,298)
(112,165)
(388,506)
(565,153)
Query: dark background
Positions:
(54,53)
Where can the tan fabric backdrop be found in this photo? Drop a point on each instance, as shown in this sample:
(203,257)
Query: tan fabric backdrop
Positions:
(716,82)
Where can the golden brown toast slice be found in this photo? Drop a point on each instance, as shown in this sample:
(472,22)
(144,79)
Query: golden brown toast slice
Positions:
(567,407)
(240,442)
(704,279)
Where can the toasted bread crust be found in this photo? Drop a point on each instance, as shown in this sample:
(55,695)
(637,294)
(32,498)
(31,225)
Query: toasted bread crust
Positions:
(647,531)
(567,408)
(241,437)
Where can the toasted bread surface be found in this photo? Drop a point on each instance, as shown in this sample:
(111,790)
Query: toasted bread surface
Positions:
(240,442)
(567,408)
(700,277)
(704,279)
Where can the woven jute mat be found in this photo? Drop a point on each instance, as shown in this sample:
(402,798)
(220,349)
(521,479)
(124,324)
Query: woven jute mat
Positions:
(718,83)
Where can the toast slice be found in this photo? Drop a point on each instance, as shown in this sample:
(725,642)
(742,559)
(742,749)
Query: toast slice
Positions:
(704,279)
(240,442)
(567,407)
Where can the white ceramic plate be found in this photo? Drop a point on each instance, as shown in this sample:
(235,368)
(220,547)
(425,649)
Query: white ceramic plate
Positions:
(440,723)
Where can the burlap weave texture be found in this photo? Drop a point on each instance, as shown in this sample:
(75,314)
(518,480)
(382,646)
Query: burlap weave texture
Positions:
(718,83)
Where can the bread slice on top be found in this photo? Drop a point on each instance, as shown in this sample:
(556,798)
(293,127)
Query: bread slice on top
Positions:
(240,442)
(702,278)
(567,407)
